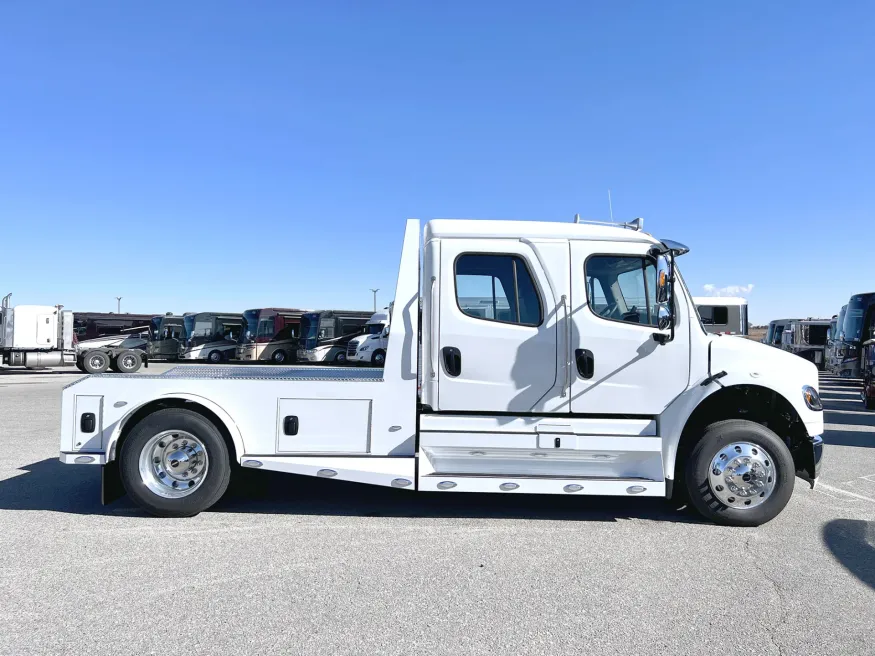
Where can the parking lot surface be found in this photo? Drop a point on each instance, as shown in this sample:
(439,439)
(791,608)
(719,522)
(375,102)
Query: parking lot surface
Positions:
(307,566)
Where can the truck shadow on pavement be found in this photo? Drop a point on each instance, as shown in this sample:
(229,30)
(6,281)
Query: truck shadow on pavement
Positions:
(51,486)
(852,542)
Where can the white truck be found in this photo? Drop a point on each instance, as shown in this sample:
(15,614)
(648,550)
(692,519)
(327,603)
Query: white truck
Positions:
(36,336)
(591,375)
(371,347)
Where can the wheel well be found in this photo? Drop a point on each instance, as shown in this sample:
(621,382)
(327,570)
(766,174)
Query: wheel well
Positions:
(751,402)
(154,406)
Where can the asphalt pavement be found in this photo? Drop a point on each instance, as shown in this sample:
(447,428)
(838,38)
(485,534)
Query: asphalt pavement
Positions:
(307,566)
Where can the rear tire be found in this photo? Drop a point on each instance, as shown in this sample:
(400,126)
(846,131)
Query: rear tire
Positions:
(868,402)
(340,358)
(739,474)
(181,439)
(80,365)
(95,362)
(127,362)
(215,357)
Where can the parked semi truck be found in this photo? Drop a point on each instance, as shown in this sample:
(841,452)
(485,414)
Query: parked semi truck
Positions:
(325,335)
(210,336)
(723,315)
(36,336)
(371,347)
(628,396)
(127,355)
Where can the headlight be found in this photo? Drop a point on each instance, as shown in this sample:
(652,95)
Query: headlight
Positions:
(364,348)
(812,398)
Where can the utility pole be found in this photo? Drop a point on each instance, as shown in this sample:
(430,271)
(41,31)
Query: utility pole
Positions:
(375,299)
(119,306)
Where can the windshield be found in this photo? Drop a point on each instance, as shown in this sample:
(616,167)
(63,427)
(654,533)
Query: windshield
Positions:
(814,334)
(374,328)
(853,324)
(188,322)
(839,332)
(309,330)
(154,327)
(250,325)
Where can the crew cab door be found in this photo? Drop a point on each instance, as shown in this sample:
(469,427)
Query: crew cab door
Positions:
(618,367)
(498,344)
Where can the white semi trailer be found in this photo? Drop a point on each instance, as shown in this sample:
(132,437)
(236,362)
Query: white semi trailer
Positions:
(36,336)
(591,376)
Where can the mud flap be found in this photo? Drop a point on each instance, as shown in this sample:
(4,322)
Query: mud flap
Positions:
(111,488)
(808,457)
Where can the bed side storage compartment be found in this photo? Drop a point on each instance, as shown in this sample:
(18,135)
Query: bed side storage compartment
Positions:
(323,426)
(87,423)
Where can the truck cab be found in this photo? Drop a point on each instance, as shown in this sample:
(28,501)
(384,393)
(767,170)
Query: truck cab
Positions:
(370,348)
(36,336)
(547,359)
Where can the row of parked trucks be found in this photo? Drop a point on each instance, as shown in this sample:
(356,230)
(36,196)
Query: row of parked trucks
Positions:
(42,336)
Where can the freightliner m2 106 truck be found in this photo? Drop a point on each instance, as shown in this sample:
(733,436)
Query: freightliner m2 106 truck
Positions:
(592,376)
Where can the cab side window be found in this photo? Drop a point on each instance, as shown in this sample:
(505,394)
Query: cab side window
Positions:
(497,288)
(622,288)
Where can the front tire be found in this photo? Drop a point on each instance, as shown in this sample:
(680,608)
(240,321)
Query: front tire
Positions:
(95,362)
(740,474)
(174,463)
(378,359)
(340,358)
(279,357)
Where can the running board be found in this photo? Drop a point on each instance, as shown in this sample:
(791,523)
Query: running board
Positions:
(373,470)
(580,485)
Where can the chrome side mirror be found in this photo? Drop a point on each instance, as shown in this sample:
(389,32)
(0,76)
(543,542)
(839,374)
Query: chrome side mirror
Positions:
(663,317)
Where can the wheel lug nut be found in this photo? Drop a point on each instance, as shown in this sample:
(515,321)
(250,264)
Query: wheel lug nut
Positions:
(161,474)
(175,446)
(184,442)
(715,471)
(185,473)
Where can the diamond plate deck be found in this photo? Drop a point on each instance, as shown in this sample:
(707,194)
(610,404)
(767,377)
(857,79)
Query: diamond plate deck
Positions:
(247,372)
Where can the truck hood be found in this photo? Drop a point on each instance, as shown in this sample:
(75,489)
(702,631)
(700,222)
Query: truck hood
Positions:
(746,359)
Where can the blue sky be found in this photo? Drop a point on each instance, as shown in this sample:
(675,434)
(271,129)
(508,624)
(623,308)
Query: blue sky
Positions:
(208,155)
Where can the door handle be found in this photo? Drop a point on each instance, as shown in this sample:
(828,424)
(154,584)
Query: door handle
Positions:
(585,363)
(290,425)
(452,360)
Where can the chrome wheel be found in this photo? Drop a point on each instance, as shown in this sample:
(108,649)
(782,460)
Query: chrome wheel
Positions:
(129,361)
(96,361)
(742,475)
(173,464)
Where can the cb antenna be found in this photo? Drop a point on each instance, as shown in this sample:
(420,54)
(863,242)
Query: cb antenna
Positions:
(610,206)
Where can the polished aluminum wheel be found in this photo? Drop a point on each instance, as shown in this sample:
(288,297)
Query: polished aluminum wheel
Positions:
(96,360)
(129,361)
(173,464)
(742,475)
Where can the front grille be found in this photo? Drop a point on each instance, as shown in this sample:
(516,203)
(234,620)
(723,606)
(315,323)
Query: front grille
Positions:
(350,348)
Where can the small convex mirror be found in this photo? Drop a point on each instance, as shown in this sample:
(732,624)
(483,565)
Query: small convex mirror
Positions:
(663,317)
